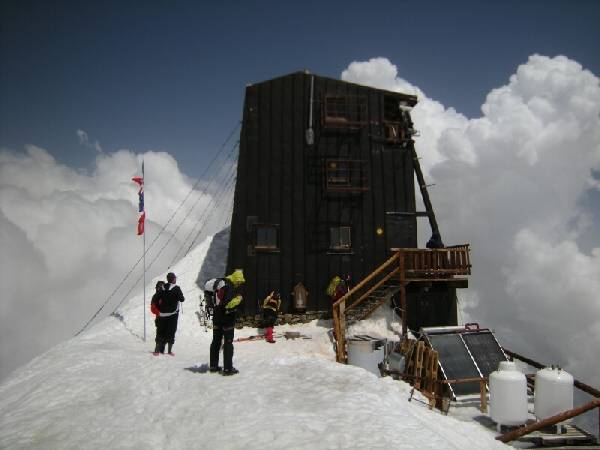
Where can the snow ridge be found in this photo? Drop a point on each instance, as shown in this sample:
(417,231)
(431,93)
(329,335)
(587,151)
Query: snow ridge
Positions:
(104,389)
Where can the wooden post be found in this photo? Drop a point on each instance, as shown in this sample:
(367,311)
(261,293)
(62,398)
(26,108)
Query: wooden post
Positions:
(336,332)
(483,396)
(342,332)
(419,363)
(403,294)
(512,435)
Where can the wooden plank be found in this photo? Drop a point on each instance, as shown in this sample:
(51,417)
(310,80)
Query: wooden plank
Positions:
(483,396)
(431,375)
(419,363)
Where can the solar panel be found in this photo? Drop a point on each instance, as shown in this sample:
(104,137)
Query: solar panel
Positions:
(485,350)
(456,362)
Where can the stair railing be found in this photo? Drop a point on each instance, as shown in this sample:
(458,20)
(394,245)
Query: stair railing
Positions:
(371,282)
(406,265)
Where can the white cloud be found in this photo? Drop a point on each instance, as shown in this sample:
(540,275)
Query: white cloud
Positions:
(68,238)
(85,141)
(512,183)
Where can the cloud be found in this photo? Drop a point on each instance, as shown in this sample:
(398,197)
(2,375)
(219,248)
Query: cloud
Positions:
(512,183)
(68,238)
(84,140)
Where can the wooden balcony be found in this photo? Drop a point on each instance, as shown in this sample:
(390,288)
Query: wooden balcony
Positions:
(432,264)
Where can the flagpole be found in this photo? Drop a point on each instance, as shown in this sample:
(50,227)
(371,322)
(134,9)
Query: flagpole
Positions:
(144,243)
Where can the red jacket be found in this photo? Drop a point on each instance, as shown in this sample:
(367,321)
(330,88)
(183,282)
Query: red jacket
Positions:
(156,301)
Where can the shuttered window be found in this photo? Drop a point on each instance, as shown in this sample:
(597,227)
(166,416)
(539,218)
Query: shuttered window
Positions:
(340,238)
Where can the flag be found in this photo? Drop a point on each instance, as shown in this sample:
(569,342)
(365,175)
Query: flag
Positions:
(140,226)
(141,200)
(142,218)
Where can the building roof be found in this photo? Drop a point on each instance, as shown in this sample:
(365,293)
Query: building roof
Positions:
(410,99)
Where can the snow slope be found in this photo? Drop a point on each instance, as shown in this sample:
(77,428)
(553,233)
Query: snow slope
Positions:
(104,389)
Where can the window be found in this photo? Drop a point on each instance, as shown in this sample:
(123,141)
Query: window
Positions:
(394,122)
(339,238)
(391,109)
(266,237)
(346,175)
(345,111)
(338,173)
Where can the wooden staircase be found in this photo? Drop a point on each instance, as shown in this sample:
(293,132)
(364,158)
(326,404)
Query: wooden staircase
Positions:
(405,266)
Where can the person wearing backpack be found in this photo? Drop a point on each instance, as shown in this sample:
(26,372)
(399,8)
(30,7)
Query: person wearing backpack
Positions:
(270,309)
(169,312)
(227,299)
(155,303)
(210,289)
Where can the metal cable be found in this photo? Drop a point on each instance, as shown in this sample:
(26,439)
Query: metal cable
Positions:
(159,233)
(211,205)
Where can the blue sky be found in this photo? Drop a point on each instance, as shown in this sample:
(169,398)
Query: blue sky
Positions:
(171,75)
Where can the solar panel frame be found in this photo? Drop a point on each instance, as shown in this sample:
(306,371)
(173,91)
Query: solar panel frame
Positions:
(485,349)
(455,361)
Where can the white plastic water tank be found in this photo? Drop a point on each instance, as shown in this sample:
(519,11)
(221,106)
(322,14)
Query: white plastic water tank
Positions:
(508,395)
(553,392)
(366,352)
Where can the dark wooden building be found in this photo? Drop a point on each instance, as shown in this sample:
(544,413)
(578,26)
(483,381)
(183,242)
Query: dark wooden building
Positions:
(325,186)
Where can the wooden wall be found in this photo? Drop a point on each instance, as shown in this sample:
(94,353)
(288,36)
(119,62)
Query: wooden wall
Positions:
(281,180)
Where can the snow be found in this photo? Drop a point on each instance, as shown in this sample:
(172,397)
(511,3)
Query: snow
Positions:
(104,389)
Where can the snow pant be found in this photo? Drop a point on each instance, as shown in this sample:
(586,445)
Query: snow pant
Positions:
(269,319)
(269,334)
(220,333)
(166,327)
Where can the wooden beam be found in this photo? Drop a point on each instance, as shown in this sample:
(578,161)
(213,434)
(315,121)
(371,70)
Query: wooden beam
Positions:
(423,188)
(374,288)
(512,435)
(463,380)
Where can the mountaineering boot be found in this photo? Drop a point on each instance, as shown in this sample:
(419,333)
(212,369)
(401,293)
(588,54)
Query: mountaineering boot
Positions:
(215,369)
(231,371)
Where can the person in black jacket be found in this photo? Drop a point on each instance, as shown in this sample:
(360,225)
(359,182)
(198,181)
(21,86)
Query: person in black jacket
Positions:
(169,313)
(227,300)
